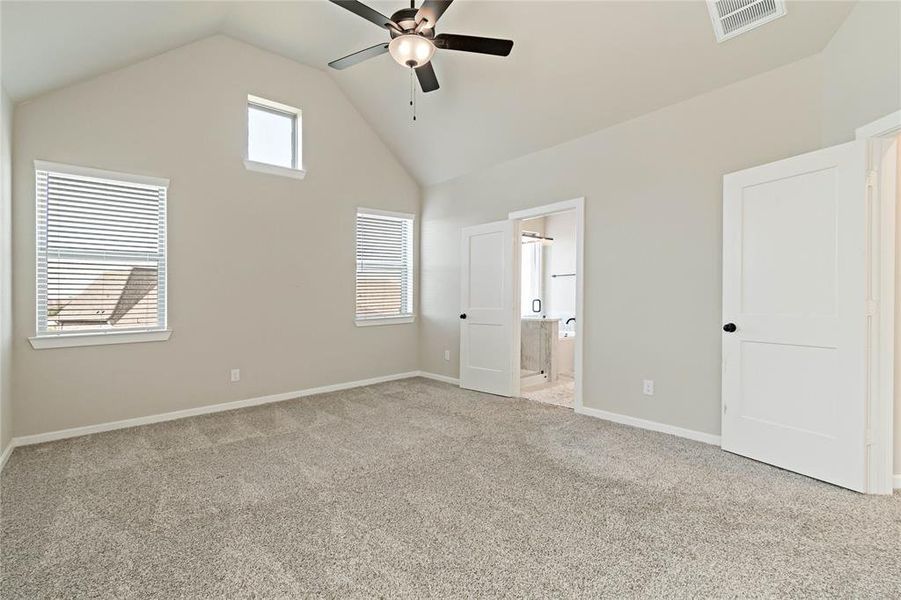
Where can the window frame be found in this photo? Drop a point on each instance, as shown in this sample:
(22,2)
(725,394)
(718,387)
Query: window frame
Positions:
(295,171)
(50,339)
(388,319)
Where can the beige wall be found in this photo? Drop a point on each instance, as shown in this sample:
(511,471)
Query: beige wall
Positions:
(260,266)
(862,70)
(6,430)
(653,247)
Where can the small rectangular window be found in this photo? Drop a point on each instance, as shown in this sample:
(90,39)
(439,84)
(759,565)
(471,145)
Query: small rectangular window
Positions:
(273,136)
(101,251)
(384,277)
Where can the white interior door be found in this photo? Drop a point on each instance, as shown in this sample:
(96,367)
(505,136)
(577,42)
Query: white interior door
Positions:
(487,309)
(795,287)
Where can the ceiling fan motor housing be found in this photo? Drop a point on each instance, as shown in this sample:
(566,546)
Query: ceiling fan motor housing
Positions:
(414,41)
(405,18)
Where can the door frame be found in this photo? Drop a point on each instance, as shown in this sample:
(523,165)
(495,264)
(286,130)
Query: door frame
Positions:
(577,206)
(883,187)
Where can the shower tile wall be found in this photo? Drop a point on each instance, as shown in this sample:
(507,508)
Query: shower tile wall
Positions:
(538,338)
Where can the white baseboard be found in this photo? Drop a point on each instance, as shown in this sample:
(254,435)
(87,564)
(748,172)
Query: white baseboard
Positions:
(690,434)
(6,452)
(897,485)
(214,408)
(437,377)
(201,410)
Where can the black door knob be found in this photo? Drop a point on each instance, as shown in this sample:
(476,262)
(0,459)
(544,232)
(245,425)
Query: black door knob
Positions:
(463,316)
(729,327)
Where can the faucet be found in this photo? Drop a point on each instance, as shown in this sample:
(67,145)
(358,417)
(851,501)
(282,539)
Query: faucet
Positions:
(570,320)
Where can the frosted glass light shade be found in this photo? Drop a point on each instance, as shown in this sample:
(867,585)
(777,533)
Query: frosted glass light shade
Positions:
(411,50)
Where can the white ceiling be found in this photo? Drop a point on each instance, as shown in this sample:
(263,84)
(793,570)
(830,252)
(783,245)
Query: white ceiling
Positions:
(576,67)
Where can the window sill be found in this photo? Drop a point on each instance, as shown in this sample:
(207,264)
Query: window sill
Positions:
(384,321)
(98,339)
(252,165)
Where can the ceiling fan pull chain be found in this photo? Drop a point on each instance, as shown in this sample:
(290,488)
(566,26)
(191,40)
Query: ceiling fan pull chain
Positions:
(413,93)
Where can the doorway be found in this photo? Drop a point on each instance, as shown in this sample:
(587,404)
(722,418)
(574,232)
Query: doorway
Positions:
(549,299)
(548,308)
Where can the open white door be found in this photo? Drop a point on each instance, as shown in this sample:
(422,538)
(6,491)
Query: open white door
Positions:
(795,312)
(487,309)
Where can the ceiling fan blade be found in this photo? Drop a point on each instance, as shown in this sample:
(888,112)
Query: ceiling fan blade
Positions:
(471,43)
(431,11)
(360,9)
(427,79)
(358,57)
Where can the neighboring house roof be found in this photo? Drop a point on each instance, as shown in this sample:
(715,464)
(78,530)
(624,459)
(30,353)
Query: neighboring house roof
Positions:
(109,300)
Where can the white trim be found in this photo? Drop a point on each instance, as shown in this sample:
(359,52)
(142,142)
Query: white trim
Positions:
(898,481)
(578,206)
(548,209)
(62,434)
(70,340)
(884,126)
(691,434)
(115,176)
(376,321)
(6,453)
(882,200)
(272,104)
(259,167)
(391,214)
(437,377)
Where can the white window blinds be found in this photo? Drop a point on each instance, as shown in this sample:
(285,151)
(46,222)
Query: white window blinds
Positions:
(384,265)
(101,251)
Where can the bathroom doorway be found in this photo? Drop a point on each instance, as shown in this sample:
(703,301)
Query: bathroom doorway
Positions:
(550,292)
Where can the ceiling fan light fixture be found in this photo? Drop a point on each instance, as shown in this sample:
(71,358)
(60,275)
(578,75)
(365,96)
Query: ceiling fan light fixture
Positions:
(411,50)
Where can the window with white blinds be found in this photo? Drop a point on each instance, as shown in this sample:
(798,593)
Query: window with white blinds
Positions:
(101,251)
(384,282)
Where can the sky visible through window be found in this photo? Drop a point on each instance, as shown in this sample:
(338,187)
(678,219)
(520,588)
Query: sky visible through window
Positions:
(270,137)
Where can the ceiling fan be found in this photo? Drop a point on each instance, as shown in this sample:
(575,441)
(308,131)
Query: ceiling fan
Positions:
(413,40)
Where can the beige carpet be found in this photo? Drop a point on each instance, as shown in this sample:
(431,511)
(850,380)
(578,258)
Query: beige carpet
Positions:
(417,489)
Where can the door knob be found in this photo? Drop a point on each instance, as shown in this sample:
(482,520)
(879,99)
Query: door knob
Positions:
(729,327)
(463,316)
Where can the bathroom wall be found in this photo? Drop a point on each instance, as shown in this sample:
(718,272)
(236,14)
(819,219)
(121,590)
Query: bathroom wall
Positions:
(534,225)
(560,258)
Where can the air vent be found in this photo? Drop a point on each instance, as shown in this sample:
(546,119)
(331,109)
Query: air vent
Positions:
(734,17)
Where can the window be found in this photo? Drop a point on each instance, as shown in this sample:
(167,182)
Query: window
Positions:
(384,267)
(273,138)
(101,255)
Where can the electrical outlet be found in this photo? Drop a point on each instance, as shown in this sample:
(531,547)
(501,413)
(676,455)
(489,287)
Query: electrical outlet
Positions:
(647,387)
(447,355)
(235,375)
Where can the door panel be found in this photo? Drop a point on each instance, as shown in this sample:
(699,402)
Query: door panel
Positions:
(488,301)
(795,285)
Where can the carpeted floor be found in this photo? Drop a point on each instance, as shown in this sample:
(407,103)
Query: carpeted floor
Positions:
(415,489)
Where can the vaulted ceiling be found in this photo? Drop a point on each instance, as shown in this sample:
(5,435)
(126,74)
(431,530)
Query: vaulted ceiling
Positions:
(576,67)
